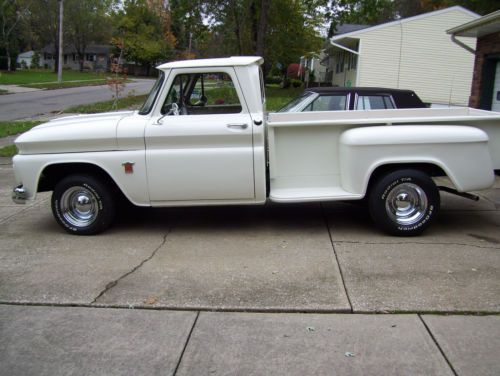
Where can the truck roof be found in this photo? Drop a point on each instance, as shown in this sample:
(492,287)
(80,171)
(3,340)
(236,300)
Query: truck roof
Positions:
(219,62)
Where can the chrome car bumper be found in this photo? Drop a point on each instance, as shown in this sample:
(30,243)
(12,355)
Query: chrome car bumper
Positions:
(19,195)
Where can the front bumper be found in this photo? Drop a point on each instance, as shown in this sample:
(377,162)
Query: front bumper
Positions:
(19,195)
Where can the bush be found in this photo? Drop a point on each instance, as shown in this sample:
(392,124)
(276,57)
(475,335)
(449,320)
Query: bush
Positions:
(273,80)
(296,83)
(294,70)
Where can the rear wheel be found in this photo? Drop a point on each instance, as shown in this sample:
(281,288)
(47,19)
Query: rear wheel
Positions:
(404,202)
(83,205)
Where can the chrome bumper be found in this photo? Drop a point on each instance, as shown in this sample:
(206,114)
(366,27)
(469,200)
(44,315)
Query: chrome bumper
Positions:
(19,195)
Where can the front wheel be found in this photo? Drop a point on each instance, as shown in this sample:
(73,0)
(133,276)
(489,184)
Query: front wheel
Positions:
(404,202)
(83,205)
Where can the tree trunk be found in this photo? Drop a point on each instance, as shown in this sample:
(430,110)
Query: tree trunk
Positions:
(261,32)
(81,59)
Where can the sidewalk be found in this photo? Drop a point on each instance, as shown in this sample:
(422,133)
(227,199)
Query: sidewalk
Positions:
(84,341)
(15,89)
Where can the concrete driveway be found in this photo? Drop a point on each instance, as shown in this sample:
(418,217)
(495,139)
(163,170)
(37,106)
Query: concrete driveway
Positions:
(39,102)
(63,295)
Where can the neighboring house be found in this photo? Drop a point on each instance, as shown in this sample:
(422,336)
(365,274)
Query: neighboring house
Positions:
(96,58)
(485,92)
(312,68)
(24,59)
(413,53)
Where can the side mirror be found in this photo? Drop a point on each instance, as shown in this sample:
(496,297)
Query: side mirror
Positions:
(174,110)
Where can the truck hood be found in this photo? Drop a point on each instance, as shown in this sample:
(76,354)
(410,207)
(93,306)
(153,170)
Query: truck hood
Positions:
(73,134)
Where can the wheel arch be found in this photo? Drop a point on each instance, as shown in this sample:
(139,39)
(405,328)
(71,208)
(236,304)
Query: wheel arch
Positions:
(430,168)
(53,173)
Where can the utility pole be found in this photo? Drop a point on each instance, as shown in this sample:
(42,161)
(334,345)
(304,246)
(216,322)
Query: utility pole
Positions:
(60,65)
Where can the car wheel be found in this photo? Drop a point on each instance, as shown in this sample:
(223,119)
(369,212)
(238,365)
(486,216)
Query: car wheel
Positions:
(83,205)
(404,202)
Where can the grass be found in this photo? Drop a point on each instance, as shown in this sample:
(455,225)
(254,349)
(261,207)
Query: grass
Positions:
(130,102)
(34,76)
(10,128)
(65,85)
(3,91)
(276,97)
(8,151)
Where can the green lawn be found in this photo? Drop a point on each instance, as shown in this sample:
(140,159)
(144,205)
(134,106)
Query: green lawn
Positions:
(276,97)
(130,102)
(33,76)
(10,128)
(8,151)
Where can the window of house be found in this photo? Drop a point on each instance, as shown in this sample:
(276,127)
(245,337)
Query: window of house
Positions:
(202,94)
(328,103)
(374,102)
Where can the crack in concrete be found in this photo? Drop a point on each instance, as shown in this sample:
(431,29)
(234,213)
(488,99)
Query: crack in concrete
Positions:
(112,284)
(443,354)
(417,243)
(255,310)
(186,343)
(21,211)
(328,229)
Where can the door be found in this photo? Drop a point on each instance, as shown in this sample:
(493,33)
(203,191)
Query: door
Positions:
(199,145)
(495,101)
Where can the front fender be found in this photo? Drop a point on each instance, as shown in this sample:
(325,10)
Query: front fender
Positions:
(461,151)
(28,170)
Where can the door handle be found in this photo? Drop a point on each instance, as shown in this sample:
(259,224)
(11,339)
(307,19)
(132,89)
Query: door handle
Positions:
(237,126)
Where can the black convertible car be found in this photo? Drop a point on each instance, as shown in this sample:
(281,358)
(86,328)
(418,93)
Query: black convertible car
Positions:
(353,98)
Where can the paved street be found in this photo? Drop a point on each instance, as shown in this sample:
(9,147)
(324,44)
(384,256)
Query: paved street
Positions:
(281,290)
(25,105)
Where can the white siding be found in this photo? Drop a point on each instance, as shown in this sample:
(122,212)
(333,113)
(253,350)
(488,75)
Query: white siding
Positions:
(437,69)
(379,60)
(417,54)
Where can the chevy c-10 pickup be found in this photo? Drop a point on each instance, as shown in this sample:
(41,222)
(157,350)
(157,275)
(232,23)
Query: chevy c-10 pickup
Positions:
(203,138)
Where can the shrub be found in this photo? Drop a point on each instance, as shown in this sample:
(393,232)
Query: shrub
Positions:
(273,80)
(296,83)
(294,71)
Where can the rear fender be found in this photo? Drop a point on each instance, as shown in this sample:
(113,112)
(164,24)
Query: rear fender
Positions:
(460,151)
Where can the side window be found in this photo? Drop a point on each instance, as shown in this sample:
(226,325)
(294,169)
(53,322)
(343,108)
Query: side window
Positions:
(374,102)
(202,94)
(328,103)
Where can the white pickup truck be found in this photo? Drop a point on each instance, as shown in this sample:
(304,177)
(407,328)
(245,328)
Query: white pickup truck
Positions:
(203,138)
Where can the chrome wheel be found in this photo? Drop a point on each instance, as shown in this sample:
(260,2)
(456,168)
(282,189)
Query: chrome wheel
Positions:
(406,204)
(79,206)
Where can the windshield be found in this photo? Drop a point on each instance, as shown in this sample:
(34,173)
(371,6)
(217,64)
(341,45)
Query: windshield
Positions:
(148,105)
(291,105)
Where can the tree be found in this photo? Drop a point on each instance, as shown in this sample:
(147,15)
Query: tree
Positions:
(279,30)
(12,13)
(44,21)
(143,32)
(87,22)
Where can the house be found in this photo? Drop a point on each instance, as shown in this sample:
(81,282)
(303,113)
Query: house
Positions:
(310,64)
(485,91)
(96,58)
(412,53)
(24,59)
